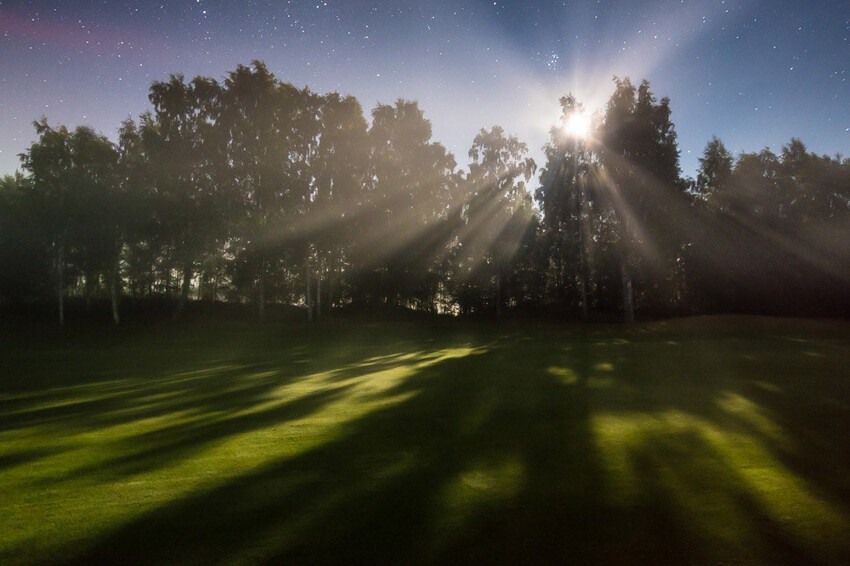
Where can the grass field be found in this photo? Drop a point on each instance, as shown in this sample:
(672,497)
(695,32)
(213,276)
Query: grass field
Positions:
(706,440)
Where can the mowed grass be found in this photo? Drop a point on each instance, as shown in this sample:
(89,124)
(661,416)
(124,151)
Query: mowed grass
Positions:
(706,440)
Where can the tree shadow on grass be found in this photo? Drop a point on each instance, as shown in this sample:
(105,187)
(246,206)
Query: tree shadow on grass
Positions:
(168,445)
(104,387)
(234,391)
(541,446)
(380,490)
(517,452)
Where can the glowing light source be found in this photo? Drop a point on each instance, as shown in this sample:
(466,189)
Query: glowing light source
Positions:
(578,125)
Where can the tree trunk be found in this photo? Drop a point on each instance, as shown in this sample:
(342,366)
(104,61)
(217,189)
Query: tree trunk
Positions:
(584,240)
(498,293)
(215,285)
(184,290)
(582,284)
(186,287)
(168,283)
(582,272)
(331,280)
(88,291)
(628,293)
(60,267)
(261,292)
(338,277)
(319,292)
(309,299)
(113,290)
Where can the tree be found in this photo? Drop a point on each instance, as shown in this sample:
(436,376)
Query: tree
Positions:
(26,272)
(269,128)
(565,197)
(339,166)
(715,170)
(641,162)
(97,222)
(49,160)
(181,143)
(498,212)
(405,209)
(136,171)
(72,176)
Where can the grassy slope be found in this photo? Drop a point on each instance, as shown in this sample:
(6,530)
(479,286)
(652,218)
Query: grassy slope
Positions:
(701,440)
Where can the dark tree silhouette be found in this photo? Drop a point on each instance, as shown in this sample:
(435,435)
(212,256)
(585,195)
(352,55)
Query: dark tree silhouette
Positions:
(254,189)
(72,179)
(268,128)
(641,164)
(181,144)
(565,197)
(498,217)
(408,196)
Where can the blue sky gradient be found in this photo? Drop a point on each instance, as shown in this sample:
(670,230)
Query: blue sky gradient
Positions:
(754,73)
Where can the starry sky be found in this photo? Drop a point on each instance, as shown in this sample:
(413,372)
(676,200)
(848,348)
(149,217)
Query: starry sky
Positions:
(753,72)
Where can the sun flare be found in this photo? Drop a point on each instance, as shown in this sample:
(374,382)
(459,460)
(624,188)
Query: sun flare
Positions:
(578,125)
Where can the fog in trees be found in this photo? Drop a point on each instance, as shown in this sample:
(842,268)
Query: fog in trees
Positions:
(250,190)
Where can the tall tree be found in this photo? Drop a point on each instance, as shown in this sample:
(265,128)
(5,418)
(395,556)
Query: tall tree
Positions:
(136,169)
(182,144)
(715,170)
(498,213)
(72,176)
(49,162)
(269,128)
(565,197)
(405,210)
(339,167)
(710,239)
(641,161)
(26,272)
(97,222)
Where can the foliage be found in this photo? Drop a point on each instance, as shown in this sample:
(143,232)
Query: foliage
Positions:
(408,195)
(254,190)
(498,221)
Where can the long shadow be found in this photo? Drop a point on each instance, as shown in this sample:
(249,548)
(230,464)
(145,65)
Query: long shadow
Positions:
(493,458)
(499,457)
(165,446)
(104,387)
(379,493)
(213,398)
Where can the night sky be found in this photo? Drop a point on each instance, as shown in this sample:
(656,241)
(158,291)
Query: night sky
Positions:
(754,73)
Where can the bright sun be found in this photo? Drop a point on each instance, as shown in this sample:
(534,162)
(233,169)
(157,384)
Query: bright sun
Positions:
(578,125)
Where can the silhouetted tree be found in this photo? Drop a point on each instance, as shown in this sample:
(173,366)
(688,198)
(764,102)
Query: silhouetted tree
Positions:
(498,214)
(181,143)
(339,167)
(26,273)
(268,128)
(715,170)
(565,197)
(409,194)
(73,182)
(641,165)
(97,225)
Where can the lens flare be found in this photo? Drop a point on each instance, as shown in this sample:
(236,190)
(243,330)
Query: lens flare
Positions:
(578,125)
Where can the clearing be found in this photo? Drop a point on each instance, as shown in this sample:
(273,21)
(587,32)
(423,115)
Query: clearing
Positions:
(703,440)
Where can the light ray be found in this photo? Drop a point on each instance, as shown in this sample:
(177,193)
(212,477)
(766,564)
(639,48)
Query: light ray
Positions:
(578,125)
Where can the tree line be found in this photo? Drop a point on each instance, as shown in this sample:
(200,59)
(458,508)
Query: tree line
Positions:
(251,190)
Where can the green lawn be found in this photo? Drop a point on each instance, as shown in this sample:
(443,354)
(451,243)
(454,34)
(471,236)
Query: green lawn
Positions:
(707,440)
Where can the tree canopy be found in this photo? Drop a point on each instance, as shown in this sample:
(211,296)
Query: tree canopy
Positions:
(252,190)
